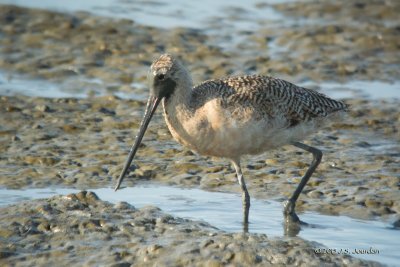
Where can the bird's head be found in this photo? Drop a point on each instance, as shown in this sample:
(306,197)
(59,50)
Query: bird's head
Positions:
(165,74)
(162,76)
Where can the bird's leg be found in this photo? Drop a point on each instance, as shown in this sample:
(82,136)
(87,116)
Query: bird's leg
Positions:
(245,194)
(289,206)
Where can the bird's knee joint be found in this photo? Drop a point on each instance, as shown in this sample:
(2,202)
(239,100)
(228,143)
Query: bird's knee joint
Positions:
(318,155)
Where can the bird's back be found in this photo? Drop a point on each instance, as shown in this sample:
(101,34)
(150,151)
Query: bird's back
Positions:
(267,97)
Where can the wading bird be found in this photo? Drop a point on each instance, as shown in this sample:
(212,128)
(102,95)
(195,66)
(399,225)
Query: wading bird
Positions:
(236,116)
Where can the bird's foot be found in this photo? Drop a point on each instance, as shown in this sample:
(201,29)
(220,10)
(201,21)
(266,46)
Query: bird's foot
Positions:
(289,212)
(292,223)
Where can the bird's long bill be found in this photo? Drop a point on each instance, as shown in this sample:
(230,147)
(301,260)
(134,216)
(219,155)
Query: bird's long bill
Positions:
(152,104)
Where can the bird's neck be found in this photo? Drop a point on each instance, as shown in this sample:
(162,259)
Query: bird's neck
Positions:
(181,96)
(177,105)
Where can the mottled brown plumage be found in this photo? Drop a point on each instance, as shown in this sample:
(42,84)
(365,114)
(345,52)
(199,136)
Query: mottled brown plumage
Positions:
(268,96)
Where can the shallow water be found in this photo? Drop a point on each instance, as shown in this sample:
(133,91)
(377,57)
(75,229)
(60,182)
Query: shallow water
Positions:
(218,18)
(360,89)
(224,210)
(81,87)
(165,14)
(15,84)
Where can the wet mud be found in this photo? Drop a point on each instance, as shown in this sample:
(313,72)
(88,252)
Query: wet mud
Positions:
(80,229)
(83,143)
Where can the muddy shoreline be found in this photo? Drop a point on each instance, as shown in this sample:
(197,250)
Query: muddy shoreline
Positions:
(83,143)
(339,40)
(88,231)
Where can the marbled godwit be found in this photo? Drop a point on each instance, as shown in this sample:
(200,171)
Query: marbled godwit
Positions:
(236,116)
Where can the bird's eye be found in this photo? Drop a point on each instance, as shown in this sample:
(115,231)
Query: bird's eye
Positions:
(160,77)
